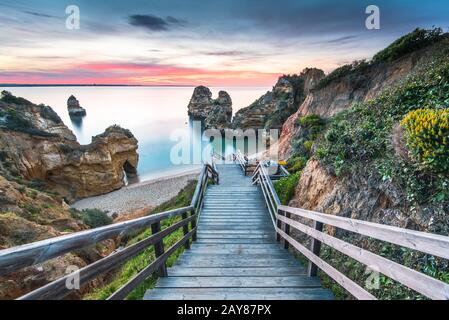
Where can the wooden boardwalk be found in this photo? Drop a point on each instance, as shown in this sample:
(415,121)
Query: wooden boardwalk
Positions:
(236,256)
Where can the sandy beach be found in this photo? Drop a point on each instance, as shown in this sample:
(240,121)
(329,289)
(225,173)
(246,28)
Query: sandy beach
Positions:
(145,194)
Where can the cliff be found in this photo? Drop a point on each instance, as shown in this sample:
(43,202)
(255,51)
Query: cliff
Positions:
(359,82)
(363,166)
(272,109)
(41,167)
(28,215)
(215,113)
(37,146)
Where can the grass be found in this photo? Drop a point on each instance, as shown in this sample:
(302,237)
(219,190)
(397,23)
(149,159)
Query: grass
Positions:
(138,263)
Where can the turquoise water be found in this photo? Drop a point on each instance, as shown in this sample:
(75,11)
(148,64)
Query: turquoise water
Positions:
(152,114)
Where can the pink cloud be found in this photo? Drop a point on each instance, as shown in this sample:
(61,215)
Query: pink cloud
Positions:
(140,74)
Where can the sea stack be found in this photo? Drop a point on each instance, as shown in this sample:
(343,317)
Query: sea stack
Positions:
(75,110)
(216,113)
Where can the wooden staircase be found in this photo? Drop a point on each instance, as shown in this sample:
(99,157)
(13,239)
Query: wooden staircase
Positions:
(236,256)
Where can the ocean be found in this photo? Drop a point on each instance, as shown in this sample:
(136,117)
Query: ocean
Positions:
(153,114)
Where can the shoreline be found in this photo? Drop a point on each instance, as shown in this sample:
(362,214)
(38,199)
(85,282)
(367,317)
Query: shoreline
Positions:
(141,195)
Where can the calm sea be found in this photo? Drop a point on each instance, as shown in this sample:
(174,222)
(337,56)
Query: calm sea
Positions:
(151,113)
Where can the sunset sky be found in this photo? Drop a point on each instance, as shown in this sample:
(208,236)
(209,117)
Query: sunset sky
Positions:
(192,42)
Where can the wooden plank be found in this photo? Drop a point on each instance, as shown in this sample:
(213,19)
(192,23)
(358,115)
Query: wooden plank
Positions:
(58,289)
(415,280)
(209,240)
(239,294)
(340,278)
(236,271)
(236,262)
(15,258)
(239,282)
(127,288)
(237,251)
(433,244)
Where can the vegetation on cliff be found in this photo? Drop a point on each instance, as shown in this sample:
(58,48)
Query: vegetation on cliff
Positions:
(135,265)
(368,141)
(411,42)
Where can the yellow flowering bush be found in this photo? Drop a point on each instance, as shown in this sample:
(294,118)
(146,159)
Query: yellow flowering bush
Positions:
(427,135)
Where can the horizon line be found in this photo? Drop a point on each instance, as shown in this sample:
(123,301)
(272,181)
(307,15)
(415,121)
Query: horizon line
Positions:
(16,85)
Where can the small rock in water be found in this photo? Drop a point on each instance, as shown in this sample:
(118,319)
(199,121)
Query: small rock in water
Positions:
(75,110)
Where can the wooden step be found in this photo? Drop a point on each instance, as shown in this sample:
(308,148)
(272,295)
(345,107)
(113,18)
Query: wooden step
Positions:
(238,294)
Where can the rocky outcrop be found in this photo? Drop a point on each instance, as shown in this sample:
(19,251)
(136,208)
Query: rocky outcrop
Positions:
(36,145)
(216,113)
(28,215)
(74,108)
(338,94)
(273,108)
(363,197)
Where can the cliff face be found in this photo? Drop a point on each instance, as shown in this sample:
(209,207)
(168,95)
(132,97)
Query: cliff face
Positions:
(216,113)
(28,215)
(365,170)
(342,92)
(273,108)
(36,145)
(41,166)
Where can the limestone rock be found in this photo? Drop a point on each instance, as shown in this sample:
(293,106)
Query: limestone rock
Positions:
(341,93)
(364,197)
(74,108)
(36,145)
(216,113)
(273,108)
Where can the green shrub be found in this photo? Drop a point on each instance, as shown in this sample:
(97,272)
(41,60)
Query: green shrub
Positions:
(359,139)
(285,187)
(296,163)
(8,97)
(135,265)
(94,218)
(355,70)
(415,40)
(427,134)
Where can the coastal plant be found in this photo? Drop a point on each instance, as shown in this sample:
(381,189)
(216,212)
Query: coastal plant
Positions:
(427,135)
(296,164)
(94,218)
(415,40)
(285,187)
(123,274)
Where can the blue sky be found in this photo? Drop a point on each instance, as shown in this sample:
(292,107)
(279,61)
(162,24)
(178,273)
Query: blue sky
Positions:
(196,41)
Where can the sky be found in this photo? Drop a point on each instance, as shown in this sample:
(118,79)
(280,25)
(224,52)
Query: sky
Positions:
(196,42)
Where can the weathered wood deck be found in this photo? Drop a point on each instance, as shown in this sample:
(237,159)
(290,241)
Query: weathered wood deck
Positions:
(236,255)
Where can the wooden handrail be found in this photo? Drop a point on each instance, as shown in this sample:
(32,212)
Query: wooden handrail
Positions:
(425,242)
(15,258)
(428,243)
(433,244)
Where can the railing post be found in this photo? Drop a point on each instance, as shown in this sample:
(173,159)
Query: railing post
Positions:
(159,248)
(185,229)
(193,225)
(286,230)
(315,247)
(279,226)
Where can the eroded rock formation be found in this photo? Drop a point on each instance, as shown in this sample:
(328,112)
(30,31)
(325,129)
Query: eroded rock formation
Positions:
(216,113)
(74,107)
(36,145)
(343,92)
(273,108)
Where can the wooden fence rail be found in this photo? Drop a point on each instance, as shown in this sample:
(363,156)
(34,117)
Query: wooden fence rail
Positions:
(433,244)
(16,258)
